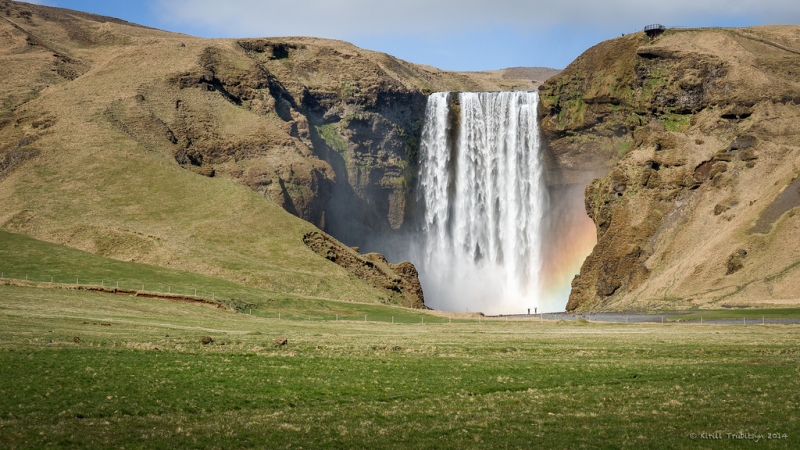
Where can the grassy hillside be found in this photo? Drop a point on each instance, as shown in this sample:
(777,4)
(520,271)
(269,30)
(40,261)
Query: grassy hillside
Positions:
(155,147)
(139,377)
(72,173)
(136,206)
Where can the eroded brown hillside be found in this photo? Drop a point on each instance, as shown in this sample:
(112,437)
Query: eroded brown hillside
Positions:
(330,132)
(695,137)
(124,141)
(109,133)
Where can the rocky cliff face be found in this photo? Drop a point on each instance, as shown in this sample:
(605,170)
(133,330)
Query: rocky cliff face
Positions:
(694,138)
(339,127)
(338,146)
(332,131)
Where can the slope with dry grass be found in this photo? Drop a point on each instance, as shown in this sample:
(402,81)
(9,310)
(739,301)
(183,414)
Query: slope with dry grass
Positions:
(90,128)
(163,148)
(695,135)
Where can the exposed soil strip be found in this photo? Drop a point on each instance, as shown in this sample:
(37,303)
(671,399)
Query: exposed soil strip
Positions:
(764,41)
(788,199)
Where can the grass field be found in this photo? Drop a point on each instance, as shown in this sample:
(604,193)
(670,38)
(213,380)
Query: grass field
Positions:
(140,378)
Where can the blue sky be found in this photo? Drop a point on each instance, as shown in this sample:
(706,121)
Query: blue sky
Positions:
(449,34)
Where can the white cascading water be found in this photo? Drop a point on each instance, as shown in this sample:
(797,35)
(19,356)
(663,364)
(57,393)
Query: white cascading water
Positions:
(485,201)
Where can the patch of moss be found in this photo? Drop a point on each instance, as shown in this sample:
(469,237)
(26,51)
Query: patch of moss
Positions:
(572,114)
(675,122)
(330,134)
(297,190)
(410,165)
(623,148)
(577,139)
(349,90)
(634,120)
(659,74)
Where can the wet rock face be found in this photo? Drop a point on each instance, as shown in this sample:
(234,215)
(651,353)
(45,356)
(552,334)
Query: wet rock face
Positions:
(669,137)
(379,164)
(400,282)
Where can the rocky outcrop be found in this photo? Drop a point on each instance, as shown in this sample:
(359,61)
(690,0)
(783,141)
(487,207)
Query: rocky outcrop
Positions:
(400,282)
(692,135)
(344,124)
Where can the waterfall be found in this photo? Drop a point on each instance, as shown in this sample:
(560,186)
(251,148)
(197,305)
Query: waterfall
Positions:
(482,183)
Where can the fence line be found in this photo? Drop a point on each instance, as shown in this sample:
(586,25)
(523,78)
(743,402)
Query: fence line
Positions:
(115,284)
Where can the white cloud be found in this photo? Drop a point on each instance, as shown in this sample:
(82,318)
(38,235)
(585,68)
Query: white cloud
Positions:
(349,18)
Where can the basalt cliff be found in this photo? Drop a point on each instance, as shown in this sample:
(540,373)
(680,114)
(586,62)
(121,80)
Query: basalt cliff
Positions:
(694,139)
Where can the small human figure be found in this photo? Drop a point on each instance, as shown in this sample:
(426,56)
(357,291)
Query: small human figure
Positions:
(534,310)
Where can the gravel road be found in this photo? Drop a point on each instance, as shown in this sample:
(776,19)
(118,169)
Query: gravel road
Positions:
(638,317)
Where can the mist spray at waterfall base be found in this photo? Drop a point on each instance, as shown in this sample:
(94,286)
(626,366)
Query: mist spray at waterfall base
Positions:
(487,221)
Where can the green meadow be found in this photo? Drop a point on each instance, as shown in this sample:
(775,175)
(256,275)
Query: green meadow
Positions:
(86,369)
(138,376)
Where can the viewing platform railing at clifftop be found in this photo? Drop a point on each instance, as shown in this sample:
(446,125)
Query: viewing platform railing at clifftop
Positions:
(654,30)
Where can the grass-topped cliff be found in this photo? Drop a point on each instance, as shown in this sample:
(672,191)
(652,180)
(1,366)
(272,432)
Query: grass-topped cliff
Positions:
(695,136)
